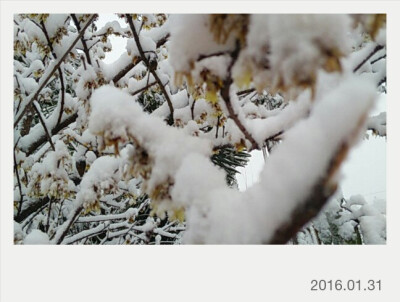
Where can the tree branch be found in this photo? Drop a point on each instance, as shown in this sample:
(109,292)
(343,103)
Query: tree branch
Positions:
(85,48)
(31,209)
(318,197)
(143,89)
(46,131)
(63,231)
(42,139)
(162,41)
(378,59)
(124,71)
(225,94)
(19,185)
(147,63)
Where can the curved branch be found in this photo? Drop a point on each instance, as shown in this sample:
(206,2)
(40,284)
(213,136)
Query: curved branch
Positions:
(225,94)
(85,48)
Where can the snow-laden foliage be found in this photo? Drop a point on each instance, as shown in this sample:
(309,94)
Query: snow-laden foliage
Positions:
(145,150)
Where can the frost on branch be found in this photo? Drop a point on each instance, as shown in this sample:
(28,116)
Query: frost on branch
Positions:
(144,150)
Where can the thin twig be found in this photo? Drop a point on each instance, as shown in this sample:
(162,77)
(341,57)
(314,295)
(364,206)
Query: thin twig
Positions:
(143,89)
(48,216)
(383,80)
(62,91)
(215,54)
(162,41)
(39,113)
(378,59)
(19,185)
(59,237)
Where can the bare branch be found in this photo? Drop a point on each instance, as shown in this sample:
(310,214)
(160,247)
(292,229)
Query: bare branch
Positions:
(19,185)
(374,51)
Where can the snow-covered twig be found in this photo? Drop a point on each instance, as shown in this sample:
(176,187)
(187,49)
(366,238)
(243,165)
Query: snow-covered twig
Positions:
(86,234)
(32,147)
(374,51)
(63,229)
(85,48)
(151,70)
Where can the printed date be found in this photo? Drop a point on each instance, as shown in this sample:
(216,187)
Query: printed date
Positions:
(345,285)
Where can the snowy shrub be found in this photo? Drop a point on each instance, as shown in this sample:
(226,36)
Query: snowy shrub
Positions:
(145,150)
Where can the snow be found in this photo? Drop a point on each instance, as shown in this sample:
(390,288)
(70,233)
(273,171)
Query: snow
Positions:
(116,116)
(185,47)
(102,177)
(179,100)
(33,31)
(113,26)
(172,164)
(55,22)
(49,177)
(60,48)
(36,237)
(262,129)
(282,179)
(111,70)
